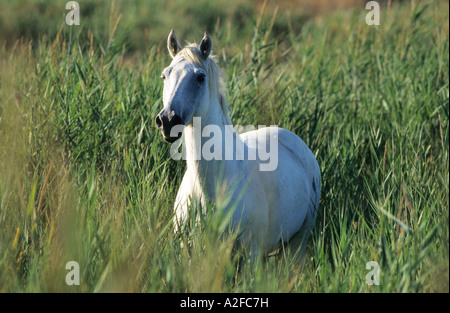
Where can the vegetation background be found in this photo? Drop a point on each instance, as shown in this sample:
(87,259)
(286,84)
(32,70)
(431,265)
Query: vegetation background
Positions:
(85,175)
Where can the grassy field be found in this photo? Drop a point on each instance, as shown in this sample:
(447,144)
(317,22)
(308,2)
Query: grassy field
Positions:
(85,176)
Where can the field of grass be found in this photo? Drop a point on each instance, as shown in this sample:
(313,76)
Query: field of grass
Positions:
(85,176)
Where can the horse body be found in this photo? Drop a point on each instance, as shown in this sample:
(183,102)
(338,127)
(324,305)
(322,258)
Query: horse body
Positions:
(270,206)
(291,191)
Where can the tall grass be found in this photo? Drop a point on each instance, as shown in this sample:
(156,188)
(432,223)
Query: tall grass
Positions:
(85,176)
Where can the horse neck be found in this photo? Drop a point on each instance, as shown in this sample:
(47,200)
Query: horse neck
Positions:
(217,170)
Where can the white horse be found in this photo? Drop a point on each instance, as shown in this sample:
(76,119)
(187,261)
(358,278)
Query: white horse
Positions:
(271,206)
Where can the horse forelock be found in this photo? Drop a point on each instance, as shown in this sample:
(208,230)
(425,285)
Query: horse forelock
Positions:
(216,84)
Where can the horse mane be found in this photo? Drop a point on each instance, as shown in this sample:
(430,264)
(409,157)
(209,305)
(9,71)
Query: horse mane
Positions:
(216,84)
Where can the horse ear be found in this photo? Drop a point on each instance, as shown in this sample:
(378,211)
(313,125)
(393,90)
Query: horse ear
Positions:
(173,45)
(206,45)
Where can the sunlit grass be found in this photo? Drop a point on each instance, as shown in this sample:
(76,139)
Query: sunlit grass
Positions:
(85,176)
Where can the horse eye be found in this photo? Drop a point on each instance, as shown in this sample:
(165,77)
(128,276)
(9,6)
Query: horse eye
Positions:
(201,78)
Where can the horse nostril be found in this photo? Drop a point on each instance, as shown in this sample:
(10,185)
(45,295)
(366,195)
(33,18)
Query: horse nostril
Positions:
(158,121)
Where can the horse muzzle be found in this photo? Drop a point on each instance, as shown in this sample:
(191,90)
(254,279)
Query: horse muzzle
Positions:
(165,123)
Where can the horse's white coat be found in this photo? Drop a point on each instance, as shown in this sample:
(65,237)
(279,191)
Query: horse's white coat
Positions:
(269,206)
